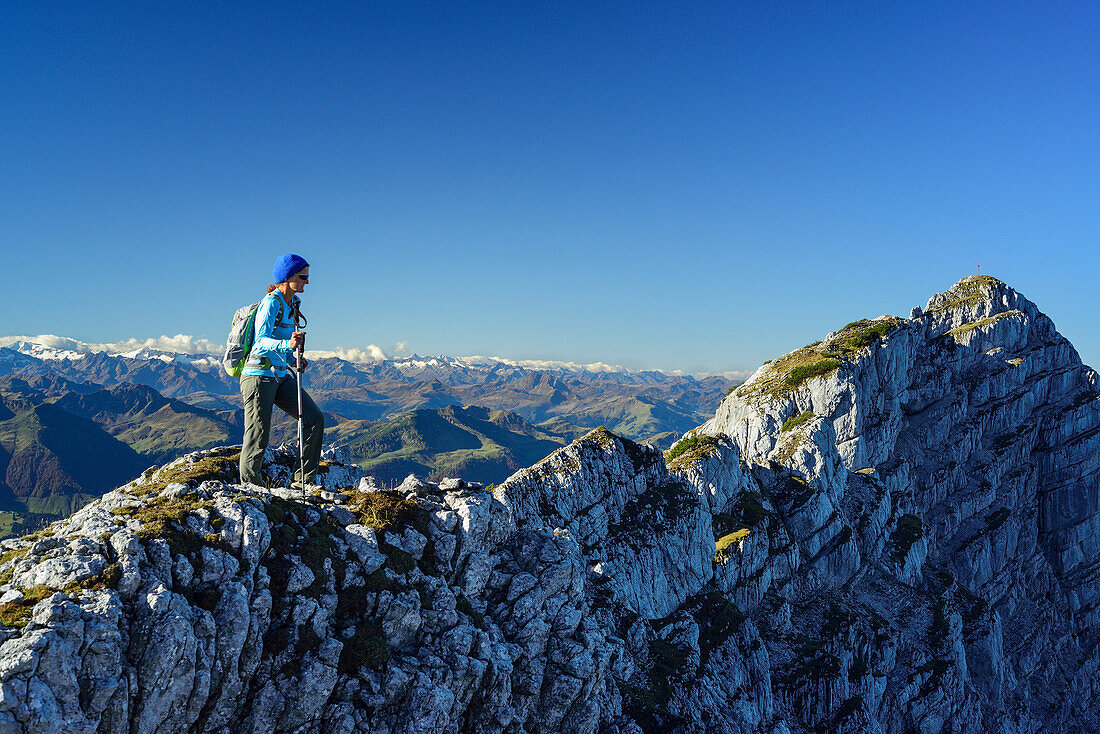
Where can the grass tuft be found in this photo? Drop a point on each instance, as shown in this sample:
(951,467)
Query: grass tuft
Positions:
(723,545)
(18,614)
(167,518)
(803,372)
(388,510)
(959,331)
(219,465)
(691,449)
(796,420)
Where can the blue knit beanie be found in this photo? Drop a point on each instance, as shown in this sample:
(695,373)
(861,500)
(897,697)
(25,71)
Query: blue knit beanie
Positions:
(286,266)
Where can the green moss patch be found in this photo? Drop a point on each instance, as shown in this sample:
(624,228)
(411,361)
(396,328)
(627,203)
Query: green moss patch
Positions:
(314,544)
(862,334)
(794,492)
(690,449)
(723,546)
(788,445)
(18,614)
(749,511)
(659,507)
(106,579)
(803,372)
(219,465)
(819,359)
(13,555)
(166,518)
(797,420)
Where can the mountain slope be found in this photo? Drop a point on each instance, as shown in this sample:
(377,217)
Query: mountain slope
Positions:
(475,443)
(53,462)
(63,443)
(156,427)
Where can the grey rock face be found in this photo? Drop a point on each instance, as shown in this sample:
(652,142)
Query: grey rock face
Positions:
(892,530)
(637,525)
(206,606)
(957,451)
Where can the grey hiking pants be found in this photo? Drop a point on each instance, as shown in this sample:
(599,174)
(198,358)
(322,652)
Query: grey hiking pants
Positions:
(259,394)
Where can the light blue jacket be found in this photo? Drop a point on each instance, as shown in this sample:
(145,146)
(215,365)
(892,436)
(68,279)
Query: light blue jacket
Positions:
(271,353)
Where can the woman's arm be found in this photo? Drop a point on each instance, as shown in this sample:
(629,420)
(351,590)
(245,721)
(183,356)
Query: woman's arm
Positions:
(265,344)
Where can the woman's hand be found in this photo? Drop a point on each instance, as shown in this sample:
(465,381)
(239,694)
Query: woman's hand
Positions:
(297,339)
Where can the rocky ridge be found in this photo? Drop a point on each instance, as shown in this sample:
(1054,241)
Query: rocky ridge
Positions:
(891,530)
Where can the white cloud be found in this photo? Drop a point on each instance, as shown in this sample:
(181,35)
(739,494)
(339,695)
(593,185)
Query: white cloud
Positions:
(739,375)
(401,348)
(48,340)
(369,353)
(180,344)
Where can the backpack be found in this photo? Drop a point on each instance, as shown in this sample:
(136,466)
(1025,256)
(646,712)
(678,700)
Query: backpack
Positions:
(242,332)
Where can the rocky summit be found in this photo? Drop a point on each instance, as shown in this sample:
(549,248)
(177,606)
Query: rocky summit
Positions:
(892,530)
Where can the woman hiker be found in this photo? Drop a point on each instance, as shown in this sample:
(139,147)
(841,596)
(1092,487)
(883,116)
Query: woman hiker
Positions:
(268,376)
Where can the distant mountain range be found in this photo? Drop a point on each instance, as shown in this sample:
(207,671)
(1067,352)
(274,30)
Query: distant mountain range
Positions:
(646,406)
(76,423)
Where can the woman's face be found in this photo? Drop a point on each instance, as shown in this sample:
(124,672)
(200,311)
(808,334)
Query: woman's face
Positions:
(299,280)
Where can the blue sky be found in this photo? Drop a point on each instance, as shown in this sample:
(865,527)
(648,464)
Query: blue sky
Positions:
(695,186)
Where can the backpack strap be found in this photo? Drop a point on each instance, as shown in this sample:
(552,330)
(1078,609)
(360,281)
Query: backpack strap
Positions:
(263,362)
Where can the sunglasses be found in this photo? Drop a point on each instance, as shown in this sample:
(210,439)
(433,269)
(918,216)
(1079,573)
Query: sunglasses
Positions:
(299,276)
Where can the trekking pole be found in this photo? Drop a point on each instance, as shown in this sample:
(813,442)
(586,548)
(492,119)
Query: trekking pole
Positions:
(301,439)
